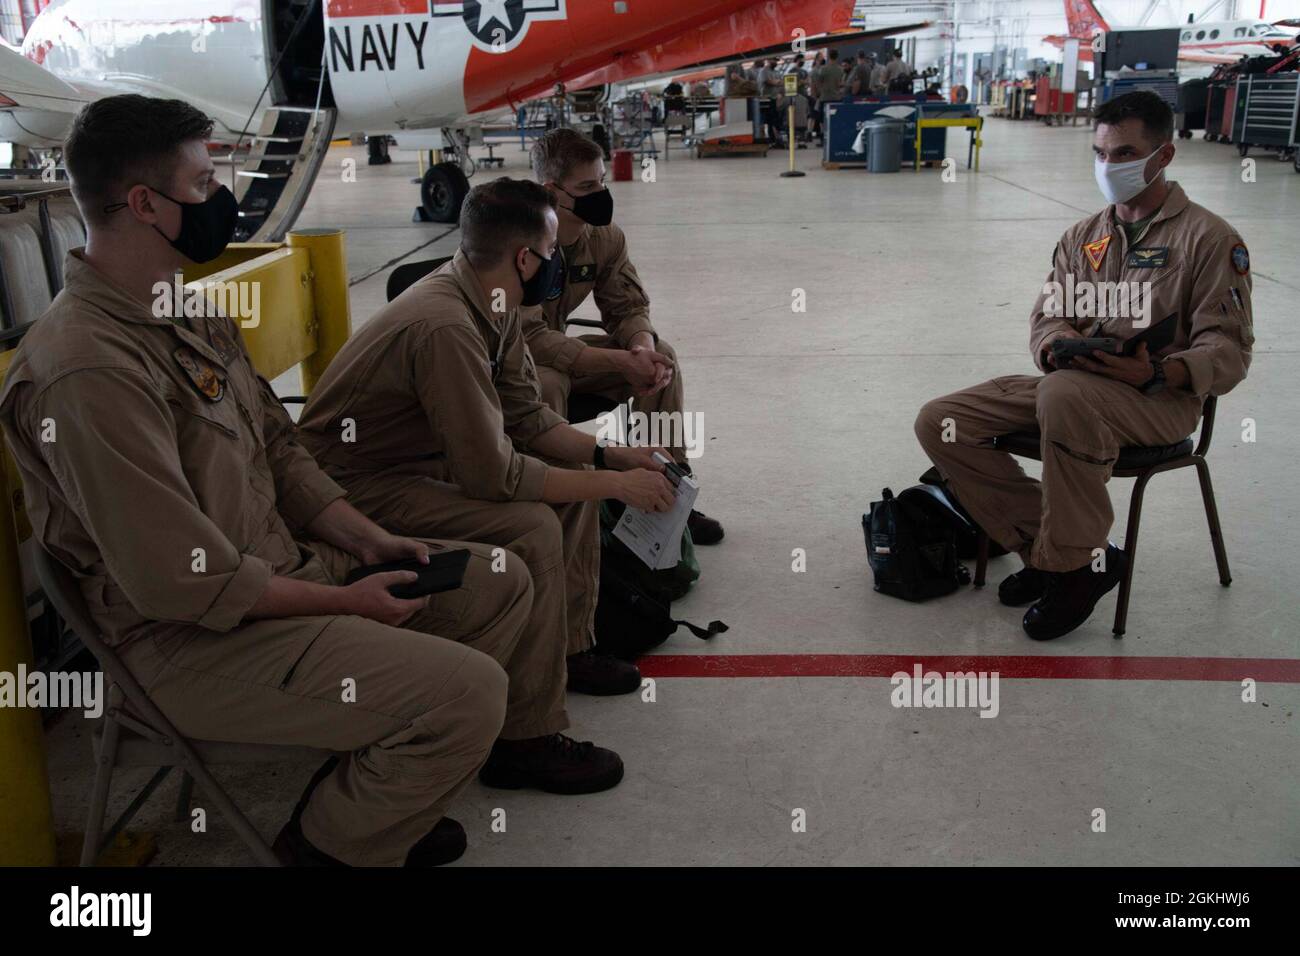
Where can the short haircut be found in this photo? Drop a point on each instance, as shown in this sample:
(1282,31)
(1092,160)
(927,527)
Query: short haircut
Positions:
(1156,116)
(556,152)
(499,217)
(835,54)
(120,141)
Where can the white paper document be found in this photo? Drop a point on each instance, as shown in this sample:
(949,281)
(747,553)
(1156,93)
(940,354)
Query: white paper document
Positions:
(656,537)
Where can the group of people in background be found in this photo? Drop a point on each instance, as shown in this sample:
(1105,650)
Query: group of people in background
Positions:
(824,79)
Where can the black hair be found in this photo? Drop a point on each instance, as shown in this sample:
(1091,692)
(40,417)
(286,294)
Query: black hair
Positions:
(1156,116)
(120,141)
(499,217)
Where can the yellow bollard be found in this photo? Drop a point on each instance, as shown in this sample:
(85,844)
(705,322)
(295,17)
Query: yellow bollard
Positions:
(27,821)
(791,173)
(329,288)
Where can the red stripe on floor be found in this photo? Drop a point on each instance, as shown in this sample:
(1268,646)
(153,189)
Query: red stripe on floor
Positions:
(1273,670)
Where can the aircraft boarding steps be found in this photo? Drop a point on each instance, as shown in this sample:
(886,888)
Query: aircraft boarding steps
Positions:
(273,183)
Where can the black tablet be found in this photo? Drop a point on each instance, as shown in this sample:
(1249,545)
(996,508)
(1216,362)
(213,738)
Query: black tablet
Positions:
(1157,336)
(444,572)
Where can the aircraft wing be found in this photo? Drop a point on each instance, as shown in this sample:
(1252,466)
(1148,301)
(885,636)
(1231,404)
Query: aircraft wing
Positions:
(812,43)
(36,107)
(30,86)
(761,29)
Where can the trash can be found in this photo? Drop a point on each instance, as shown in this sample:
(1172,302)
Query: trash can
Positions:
(622,165)
(884,142)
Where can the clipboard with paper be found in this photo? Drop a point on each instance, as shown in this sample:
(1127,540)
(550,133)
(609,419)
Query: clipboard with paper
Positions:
(656,537)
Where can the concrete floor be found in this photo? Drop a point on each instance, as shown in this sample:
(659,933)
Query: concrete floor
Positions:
(914,287)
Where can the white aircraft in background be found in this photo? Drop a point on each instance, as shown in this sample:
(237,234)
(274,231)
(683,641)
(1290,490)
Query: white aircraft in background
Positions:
(371,66)
(1210,42)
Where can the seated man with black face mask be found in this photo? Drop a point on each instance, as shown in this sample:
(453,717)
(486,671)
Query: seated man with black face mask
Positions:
(422,414)
(629,360)
(211,550)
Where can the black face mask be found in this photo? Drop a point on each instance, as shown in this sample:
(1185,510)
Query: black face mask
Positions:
(206,227)
(595,209)
(535,289)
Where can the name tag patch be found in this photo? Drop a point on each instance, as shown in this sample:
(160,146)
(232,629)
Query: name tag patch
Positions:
(582,272)
(1147,257)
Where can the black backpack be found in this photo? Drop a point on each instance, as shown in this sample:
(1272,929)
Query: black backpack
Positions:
(634,604)
(963,524)
(911,546)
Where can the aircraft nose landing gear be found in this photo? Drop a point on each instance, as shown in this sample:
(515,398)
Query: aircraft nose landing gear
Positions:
(442,190)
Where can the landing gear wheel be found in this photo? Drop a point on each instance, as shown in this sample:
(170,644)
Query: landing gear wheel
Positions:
(1184,134)
(442,191)
(601,137)
(1296,161)
(1243,148)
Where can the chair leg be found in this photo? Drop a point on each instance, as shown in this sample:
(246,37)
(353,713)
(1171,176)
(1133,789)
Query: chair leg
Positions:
(1212,516)
(213,791)
(184,798)
(981,558)
(1130,548)
(99,792)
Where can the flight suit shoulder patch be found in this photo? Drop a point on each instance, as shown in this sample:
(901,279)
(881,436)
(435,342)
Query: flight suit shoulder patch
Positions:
(1147,257)
(1096,251)
(1240,259)
(202,376)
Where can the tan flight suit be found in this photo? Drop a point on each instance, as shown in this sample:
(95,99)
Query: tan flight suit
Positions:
(597,261)
(1199,269)
(141,442)
(440,392)
(879,79)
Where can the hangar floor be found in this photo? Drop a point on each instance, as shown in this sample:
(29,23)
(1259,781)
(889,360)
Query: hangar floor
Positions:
(914,287)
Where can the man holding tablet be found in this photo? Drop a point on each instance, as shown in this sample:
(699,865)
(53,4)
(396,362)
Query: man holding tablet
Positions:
(1151,248)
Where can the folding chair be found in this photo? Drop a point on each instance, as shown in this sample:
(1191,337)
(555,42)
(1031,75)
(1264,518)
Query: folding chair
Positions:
(1142,463)
(135,733)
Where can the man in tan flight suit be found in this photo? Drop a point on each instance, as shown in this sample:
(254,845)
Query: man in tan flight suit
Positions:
(629,360)
(431,416)
(1174,257)
(162,471)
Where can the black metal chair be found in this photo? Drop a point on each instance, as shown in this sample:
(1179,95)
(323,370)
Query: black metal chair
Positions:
(1142,463)
(581,407)
(134,732)
(407,274)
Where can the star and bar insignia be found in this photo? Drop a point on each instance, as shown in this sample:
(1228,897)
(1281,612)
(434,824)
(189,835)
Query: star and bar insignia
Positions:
(1096,251)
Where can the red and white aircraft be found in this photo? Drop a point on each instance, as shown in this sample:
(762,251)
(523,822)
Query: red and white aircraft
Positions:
(383,65)
(1221,41)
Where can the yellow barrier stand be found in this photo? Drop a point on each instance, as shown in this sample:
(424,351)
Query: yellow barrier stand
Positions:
(974,123)
(27,836)
(303,318)
(330,304)
(303,315)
